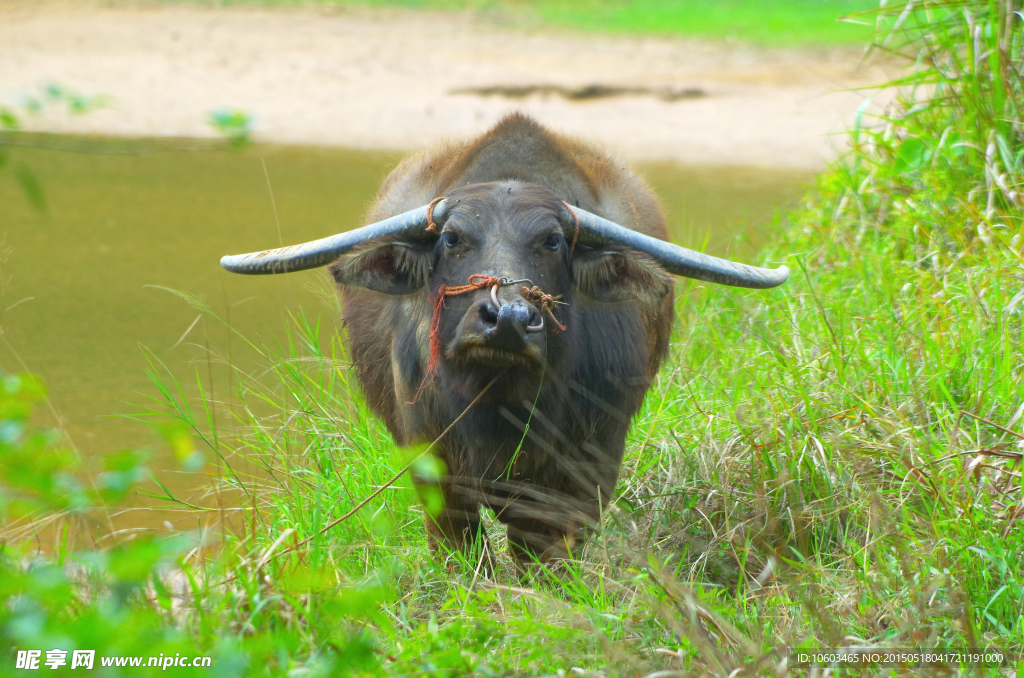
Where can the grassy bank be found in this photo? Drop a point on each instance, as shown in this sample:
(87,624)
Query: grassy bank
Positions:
(782,23)
(833,463)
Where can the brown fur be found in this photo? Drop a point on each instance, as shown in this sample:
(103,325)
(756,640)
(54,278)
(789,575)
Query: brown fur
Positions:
(567,419)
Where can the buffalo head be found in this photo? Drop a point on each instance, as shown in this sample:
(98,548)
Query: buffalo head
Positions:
(518,236)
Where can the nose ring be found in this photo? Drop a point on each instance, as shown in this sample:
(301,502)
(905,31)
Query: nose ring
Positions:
(497,307)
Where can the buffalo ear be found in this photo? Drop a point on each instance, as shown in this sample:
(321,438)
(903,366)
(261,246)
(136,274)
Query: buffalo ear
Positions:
(391,268)
(614,275)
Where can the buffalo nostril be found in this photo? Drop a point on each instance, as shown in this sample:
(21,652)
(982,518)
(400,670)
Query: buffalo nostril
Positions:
(488,314)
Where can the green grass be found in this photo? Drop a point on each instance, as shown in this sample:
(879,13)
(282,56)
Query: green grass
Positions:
(780,23)
(783,23)
(836,462)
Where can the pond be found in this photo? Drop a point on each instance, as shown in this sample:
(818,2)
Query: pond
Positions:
(84,298)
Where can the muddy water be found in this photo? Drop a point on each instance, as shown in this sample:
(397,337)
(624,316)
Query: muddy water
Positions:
(80,283)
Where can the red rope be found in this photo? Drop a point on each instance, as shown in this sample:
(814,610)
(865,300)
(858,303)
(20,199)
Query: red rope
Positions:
(481,281)
(431,226)
(477,281)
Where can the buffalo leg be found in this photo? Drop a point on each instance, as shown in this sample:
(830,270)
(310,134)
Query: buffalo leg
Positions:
(531,540)
(456,524)
(547,535)
(555,524)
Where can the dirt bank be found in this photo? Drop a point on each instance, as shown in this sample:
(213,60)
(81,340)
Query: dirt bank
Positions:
(401,80)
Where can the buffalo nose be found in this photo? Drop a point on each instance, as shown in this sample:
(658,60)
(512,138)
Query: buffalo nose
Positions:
(507,327)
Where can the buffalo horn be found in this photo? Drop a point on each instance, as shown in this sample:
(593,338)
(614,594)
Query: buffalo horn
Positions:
(596,231)
(322,252)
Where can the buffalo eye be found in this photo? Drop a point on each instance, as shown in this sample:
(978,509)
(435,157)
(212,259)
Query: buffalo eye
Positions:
(552,241)
(450,238)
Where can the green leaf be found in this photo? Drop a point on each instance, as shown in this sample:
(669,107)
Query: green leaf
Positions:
(913,154)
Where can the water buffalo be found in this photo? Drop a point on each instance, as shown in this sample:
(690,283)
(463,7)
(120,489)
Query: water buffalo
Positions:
(533,267)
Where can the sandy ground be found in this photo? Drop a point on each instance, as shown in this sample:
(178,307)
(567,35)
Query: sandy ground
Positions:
(386,80)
